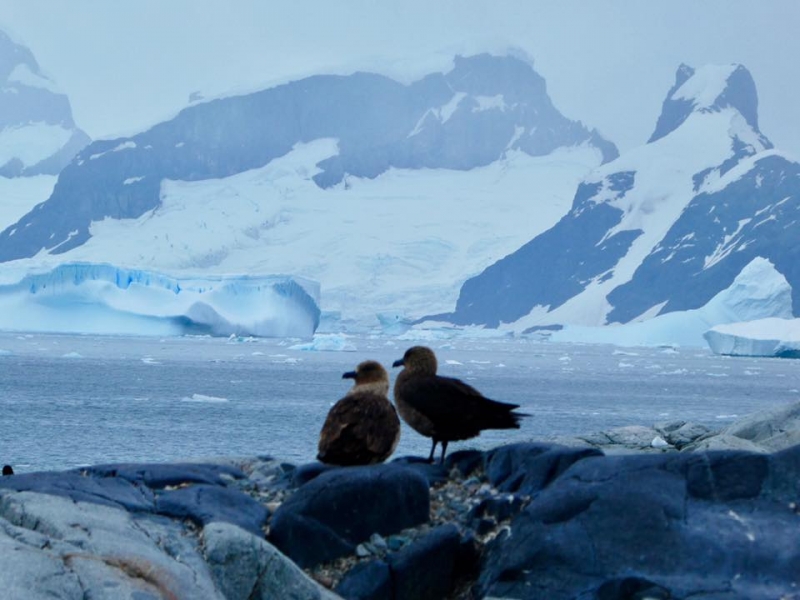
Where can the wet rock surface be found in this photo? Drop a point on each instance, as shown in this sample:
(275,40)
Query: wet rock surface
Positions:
(608,516)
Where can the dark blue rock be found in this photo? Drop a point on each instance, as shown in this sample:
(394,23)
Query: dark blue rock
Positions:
(158,476)
(433,472)
(726,475)
(783,483)
(205,504)
(305,473)
(327,517)
(671,525)
(527,468)
(632,588)
(366,581)
(483,525)
(118,493)
(427,569)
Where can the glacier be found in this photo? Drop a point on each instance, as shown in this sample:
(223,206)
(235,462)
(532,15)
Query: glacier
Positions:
(82,297)
(376,246)
(758,292)
(762,337)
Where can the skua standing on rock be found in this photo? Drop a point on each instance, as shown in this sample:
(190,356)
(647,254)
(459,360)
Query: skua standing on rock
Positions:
(362,428)
(443,408)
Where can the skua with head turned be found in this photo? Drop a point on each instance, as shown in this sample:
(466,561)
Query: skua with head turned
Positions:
(362,428)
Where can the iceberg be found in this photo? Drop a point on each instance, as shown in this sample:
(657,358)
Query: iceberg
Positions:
(758,292)
(762,337)
(106,299)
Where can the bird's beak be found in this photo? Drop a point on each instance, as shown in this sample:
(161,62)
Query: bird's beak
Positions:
(398,363)
(349,375)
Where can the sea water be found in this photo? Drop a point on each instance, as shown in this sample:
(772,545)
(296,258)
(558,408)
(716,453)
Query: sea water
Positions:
(67,401)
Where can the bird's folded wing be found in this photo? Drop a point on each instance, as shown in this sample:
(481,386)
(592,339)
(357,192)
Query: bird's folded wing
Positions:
(440,397)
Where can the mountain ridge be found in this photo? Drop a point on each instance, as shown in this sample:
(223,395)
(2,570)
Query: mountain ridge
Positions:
(440,121)
(604,261)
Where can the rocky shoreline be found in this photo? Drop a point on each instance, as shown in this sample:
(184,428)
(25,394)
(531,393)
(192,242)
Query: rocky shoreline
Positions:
(669,511)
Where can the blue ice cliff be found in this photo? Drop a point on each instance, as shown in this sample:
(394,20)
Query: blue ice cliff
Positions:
(102,298)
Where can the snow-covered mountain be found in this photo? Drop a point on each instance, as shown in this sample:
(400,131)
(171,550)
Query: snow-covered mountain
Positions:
(388,194)
(664,227)
(37,133)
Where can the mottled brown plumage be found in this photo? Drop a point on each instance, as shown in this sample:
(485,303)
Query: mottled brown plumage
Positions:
(362,428)
(442,408)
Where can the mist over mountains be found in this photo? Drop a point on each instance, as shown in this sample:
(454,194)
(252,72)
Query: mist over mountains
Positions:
(469,117)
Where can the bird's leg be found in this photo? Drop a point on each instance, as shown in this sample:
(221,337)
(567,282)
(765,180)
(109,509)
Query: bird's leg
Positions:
(444,449)
(433,449)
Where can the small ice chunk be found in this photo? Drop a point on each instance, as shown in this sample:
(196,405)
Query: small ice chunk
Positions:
(659,442)
(203,398)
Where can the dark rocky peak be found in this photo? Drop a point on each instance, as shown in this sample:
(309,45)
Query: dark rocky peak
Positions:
(487,75)
(711,88)
(34,113)
(12,56)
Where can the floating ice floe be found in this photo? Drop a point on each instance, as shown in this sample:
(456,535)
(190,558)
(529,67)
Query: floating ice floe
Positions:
(326,342)
(202,398)
(761,337)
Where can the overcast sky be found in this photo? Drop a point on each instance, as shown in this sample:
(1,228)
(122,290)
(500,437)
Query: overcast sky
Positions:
(128,64)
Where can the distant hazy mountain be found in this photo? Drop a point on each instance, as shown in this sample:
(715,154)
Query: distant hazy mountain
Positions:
(471,116)
(37,133)
(662,228)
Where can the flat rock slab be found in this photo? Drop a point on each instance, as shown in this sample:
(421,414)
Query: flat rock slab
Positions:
(109,553)
(204,504)
(157,476)
(114,492)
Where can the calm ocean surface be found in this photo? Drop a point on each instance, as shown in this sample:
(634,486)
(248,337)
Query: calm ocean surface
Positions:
(75,400)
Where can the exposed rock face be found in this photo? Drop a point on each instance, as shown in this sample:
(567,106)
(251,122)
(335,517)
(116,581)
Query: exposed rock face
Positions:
(248,567)
(529,520)
(663,228)
(100,533)
(701,525)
